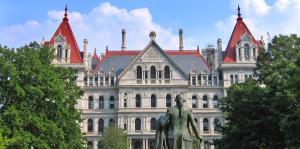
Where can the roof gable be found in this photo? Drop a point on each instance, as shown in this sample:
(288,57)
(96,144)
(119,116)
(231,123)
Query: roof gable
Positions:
(150,51)
(239,33)
(64,32)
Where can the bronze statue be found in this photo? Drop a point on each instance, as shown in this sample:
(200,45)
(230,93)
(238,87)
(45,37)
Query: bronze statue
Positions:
(173,131)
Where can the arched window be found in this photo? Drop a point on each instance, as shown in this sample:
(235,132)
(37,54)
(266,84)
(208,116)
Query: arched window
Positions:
(66,53)
(194,101)
(59,52)
(215,100)
(254,53)
(91,103)
(153,100)
(138,101)
(205,124)
(216,124)
(153,124)
(125,126)
(138,124)
(167,72)
(205,101)
(168,100)
(90,145)
(111,122)
(101,102)
(100,125)
(90,125)
(111,102)
(100,145)
(152,72)
(247,51)
(139,73)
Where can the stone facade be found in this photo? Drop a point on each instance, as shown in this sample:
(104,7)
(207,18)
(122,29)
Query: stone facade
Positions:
(131,89)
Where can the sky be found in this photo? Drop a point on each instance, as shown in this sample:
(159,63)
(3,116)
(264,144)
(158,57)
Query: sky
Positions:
(101,22)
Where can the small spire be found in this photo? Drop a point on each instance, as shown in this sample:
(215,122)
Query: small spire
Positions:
(239,13)
(95,51)
(66,13)
(106,48)
(198,48)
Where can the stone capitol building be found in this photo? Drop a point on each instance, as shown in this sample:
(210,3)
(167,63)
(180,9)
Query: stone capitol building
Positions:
(132,88)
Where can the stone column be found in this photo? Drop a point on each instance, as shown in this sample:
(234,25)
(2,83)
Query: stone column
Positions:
(243,53)
(211,122)
(95,129)
(95,144)
(146,143)
(201,125)
(237,54)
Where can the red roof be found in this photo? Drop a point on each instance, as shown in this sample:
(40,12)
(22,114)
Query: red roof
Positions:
(65,30)
(239,30)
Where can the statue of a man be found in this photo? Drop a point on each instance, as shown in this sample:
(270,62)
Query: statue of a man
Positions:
(178,118)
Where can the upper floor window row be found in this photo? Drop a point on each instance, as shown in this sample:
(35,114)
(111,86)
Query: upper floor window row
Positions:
(205,79)
(105,80)
(154,73)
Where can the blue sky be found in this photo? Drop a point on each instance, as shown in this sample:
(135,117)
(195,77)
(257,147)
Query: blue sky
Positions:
(203,21)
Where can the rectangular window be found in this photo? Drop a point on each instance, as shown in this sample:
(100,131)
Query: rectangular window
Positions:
(204,80)
(146,74)
(125,103)
(236,79)
(90,81)
(231,79)
(107,80)
(215,79)
(101,81)
(96,80)
(160,74)
(112,81)
(193,80)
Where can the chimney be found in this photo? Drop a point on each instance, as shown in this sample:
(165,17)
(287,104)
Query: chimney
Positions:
(85,46)
(152,35)
(123,47)
(181,39)
(218,54)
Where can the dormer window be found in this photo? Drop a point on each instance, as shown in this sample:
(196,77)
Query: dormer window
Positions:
(59,52)
(247,51)
(167,72)
(254,53)
(152,72)
(139,72)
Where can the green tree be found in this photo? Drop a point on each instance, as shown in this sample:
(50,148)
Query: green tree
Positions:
(268,116)
(279,71)
(37,100)
(114,138)
(251,121)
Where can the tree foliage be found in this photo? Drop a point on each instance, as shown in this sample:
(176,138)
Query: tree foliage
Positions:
(38,100)
(114,138)
(268,115)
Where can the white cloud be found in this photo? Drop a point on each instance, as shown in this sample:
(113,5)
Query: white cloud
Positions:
(281,17)
(101,26)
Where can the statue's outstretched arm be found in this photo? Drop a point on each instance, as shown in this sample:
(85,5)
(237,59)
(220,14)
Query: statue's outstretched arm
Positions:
(194,125)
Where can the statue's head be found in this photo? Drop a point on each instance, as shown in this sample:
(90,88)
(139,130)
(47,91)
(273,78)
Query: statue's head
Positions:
(179,99)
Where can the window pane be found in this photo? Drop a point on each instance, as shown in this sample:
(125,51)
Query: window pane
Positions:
(168,100)
(194,102)
(138,101)
(153,101)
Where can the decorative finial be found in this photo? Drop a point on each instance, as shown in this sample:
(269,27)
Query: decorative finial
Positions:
(239,13)
(152,35)
(95,50)
(66,13)
(106,48)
